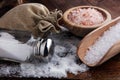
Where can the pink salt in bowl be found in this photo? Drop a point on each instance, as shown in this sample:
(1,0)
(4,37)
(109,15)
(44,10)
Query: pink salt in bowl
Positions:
(81,20)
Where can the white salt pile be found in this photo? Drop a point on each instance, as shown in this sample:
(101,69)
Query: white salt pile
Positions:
(63,61)
(103,44)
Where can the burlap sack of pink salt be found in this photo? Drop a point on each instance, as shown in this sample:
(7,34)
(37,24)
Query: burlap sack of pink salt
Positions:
(32,17)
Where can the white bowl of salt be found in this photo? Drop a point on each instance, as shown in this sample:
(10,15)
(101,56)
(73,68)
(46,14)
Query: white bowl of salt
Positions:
(101,44)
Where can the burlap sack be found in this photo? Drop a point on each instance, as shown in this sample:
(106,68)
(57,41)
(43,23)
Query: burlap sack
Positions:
(32,17)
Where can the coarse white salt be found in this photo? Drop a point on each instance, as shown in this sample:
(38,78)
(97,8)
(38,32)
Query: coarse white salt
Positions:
(103,44)
(86,17)
(63,61)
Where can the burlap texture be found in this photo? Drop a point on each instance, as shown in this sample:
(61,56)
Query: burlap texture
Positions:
(32,17)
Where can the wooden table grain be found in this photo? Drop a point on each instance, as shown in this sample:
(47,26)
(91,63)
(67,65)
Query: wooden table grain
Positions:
(110,70)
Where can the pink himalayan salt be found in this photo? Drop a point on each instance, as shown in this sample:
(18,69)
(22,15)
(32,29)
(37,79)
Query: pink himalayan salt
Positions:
(86,17)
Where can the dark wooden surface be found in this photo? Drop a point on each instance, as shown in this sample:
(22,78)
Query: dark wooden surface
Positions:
(110,70)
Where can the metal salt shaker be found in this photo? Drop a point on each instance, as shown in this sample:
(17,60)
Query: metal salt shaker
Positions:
(42,49)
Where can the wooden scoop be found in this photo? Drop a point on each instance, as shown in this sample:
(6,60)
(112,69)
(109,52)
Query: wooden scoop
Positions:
(91,38)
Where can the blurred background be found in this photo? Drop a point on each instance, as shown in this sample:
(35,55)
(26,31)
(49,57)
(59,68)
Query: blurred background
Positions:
(109,70)
(111,5)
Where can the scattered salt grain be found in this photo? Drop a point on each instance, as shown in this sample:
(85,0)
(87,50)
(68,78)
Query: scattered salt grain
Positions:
(62,62)
(103,44)
(60,51)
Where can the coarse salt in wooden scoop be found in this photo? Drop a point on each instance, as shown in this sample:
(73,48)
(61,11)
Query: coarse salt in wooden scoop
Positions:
(101,44)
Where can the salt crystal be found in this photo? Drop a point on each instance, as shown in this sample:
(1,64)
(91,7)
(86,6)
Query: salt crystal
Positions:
(103,44)
(62,62)
(59,65)
(87,17)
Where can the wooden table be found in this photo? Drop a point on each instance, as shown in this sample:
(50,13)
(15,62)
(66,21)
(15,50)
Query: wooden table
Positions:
(110,70)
